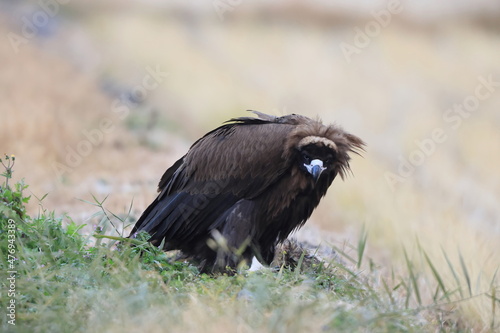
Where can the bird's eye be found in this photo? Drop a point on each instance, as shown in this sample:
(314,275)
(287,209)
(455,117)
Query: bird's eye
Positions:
(329,159)
(306,157)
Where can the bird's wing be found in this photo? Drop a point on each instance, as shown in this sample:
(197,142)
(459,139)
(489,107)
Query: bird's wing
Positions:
(245,157)
(234,162)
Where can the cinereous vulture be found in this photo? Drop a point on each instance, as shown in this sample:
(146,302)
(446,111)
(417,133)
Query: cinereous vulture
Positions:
(244,187)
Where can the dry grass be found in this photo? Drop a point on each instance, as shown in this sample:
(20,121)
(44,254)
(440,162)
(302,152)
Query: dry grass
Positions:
(393,93)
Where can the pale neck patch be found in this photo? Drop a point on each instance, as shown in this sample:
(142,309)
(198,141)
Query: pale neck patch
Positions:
(312,139)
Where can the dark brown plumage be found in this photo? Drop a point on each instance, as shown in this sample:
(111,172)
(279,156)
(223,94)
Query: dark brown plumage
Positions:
(243,187)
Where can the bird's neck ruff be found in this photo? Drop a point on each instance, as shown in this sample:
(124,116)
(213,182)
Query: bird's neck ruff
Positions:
(313,139)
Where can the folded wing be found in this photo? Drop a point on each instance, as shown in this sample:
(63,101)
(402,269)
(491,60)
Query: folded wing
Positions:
(234,162)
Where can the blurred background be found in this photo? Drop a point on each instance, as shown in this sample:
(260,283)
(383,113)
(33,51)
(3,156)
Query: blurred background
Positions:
(98,98)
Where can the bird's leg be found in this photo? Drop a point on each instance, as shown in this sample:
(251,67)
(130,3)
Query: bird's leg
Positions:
(236,235)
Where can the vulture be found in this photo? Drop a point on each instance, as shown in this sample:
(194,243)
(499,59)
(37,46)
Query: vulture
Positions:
(241,189)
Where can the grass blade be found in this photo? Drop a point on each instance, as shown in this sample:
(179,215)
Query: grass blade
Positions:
(362,245)
(436,276)
(466,272)
(453,272)
(389,292)
(344,254)
(121,239)
(408,293)
(493,307)
(299,263)
(413,277)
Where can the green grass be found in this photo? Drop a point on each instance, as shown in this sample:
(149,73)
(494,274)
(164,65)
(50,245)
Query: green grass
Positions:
(65,284)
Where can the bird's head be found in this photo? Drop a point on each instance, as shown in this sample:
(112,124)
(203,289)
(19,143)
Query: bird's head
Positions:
(316,155)
(323,151)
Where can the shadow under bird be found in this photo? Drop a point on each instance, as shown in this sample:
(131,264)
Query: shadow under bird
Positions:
(244,187)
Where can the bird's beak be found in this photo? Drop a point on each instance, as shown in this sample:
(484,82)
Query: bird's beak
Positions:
(315,168)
